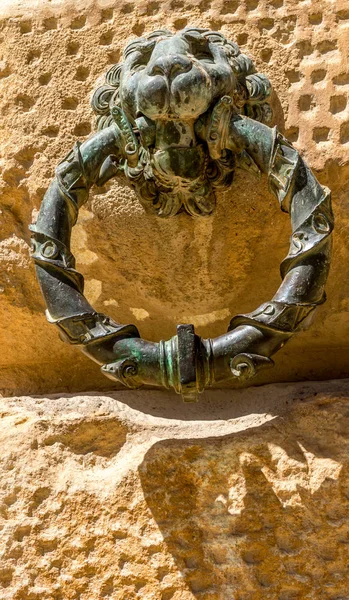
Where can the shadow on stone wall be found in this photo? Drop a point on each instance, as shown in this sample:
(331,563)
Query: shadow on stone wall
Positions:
(245,497)
(261,514)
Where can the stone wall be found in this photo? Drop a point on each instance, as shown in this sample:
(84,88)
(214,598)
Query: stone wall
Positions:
(135,495)
(130,496)
(138,268)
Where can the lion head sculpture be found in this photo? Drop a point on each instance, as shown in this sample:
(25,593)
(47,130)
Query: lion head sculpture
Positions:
(166,90)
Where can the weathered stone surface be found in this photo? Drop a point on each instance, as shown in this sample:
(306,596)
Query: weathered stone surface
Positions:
(138,268)
(136,495)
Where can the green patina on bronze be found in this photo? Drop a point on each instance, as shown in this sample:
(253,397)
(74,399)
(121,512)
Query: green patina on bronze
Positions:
(175,120)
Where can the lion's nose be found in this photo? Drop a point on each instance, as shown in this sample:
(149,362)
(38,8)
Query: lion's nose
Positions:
(171,65)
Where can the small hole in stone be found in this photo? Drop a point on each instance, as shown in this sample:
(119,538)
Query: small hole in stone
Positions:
(320,134)
(6,575)
(293,76)
(11,499)
(107,14)
(45,546)
(120,535)
(292,134)
(326,46)
(177,4)
(106,38)
(342,79)
(343,15)
(123,560)
(162,572)
(251,4)
(45,78)
(39,496)
(139,583)
(113,56)
(5,70)
(229,7)
(82,73)
(24,102)
(305,48)
(153,8)
(82,129)
(21,532)
(337,104)
(266,55)
(50,23)
(266,24)
(33,55)
(241,39)
(25,26)
(127,9)
(72,48)
(138,29)
(318,75)
(51,131)
(78,23)
(70,103)
(26,156)
(179,24)
(107,588)
(315,18)
(252,556)
(216,24)
(305,102)
(344,133)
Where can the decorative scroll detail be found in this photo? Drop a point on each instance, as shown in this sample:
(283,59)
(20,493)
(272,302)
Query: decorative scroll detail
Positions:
(129,140)
(174,119)
(273,316)
(311,233)
(90,328)
(52,254)
(123,370)
(218,127)
(283,164)
(246,366)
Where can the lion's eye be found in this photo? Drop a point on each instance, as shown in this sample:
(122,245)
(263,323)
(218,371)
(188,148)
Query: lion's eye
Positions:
(140,60)
(204,55)
(203,52)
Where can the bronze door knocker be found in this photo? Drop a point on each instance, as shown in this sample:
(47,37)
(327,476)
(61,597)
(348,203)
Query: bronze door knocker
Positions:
(174,120)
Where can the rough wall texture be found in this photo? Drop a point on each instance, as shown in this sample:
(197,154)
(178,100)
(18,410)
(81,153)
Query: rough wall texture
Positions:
(135,495)
(242,497)
(138,268)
